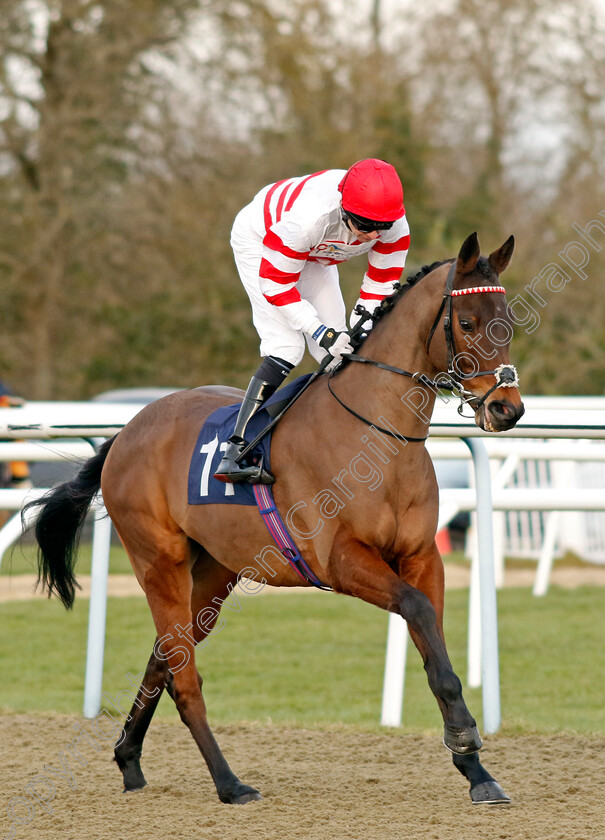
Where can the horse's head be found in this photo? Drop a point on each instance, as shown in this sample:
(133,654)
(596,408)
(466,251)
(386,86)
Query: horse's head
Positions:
(477,333)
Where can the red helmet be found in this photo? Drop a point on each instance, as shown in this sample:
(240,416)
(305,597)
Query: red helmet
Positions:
(371,189)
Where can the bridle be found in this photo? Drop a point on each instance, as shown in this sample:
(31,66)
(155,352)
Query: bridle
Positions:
(506,375)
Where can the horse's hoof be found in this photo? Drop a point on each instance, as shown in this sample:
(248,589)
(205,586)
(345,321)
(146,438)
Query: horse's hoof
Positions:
(253,796)
(132,775)
(462,741)
(239,795)
(489,793)
(134,789)
(133,780)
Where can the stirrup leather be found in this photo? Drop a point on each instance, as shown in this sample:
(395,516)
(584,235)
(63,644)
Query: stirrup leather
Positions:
(230,468)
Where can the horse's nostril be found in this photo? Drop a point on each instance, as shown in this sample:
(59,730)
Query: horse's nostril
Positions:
(506,411)
(501,409)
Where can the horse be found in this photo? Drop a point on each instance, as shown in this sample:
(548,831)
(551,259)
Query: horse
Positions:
(364,517)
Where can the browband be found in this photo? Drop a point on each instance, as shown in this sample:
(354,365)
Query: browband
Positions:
(475,290)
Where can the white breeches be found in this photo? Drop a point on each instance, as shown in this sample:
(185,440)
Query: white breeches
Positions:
(318,284)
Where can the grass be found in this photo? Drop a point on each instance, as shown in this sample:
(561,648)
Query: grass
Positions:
(317,659)
(21,560)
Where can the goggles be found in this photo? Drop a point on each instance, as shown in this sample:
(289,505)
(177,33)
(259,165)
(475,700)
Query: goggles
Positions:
(365,225)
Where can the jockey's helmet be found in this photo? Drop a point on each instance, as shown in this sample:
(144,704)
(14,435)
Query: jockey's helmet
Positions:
(371,191)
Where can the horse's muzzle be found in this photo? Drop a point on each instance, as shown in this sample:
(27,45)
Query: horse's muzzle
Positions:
(499,415)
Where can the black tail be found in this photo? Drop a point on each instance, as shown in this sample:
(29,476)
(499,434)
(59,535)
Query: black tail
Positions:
(59,525)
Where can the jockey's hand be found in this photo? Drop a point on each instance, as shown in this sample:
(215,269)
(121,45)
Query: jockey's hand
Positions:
(336,343)
(369,306)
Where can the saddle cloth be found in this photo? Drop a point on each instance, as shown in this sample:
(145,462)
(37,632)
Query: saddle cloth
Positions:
(202,487)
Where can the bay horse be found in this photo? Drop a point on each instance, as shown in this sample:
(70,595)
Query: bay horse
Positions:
(370,535)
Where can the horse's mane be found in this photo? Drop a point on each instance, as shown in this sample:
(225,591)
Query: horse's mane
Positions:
(426,269)
(400,290)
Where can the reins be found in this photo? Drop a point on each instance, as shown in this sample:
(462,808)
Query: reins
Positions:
(506,375)
(368,422)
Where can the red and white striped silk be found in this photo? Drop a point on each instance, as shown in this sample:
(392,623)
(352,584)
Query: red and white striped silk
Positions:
(302,221)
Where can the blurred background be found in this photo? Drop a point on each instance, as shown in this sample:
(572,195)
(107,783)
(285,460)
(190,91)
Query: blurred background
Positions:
(131,133)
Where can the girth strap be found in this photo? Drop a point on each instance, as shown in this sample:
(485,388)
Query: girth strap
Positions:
(279,532)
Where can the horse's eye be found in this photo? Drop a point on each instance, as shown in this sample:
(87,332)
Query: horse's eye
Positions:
(467,325)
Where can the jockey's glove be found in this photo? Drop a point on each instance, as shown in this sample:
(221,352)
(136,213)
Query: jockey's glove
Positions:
(336,343)
(369,305)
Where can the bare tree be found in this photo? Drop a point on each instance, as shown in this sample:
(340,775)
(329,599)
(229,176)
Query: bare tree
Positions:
(131,134)
(77,93)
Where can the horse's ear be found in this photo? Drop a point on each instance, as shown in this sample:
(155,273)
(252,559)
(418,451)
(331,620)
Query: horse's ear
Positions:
(469,254)
(500,259)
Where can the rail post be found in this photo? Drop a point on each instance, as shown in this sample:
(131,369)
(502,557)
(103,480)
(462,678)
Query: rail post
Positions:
(490,669)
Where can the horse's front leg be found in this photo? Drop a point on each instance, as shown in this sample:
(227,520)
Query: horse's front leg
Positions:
(359,570)
(483,788)
(425,572)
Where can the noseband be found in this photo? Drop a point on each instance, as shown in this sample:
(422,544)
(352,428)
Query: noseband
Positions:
(506,375)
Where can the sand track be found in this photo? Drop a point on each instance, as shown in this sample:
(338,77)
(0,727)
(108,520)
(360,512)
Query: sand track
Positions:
(22,587)
(338,783)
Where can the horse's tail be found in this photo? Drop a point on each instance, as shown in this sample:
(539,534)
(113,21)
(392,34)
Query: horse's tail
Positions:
(59,525)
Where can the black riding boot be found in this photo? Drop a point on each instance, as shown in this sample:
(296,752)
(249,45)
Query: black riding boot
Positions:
(259,390)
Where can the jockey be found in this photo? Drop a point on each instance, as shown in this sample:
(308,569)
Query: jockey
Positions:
(287,245)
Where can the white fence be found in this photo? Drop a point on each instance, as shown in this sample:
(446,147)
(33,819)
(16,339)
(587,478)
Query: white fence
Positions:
(547,468)
(42,422)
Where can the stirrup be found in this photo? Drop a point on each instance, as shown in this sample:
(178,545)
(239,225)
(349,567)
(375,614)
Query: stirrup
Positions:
(231,471)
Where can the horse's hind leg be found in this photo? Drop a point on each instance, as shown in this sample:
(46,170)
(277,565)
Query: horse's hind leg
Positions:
(127,752)
(176,599)
(211,585)
(129,748)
